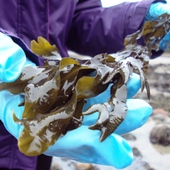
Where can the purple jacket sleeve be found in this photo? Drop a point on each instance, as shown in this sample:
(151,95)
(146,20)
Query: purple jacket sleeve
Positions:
(96,29)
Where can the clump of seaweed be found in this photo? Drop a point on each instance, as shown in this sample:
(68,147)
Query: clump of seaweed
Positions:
(56,92)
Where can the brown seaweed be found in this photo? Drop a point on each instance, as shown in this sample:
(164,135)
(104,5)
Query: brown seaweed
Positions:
(56,92)
(43,130)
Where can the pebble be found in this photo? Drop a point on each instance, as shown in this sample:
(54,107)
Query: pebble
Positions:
(56,167)
(129,136)
(136,152)
(158,117)
(84,166)
(160,111)
(160,134)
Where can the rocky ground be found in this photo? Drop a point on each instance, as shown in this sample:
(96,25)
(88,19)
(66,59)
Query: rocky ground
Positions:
(150,143)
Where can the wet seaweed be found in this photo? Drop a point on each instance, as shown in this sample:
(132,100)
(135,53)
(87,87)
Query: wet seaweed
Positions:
(55,93)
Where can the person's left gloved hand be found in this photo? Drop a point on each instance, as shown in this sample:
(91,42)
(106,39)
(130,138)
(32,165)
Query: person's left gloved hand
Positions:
(12,61)
(81,144)
(156,9)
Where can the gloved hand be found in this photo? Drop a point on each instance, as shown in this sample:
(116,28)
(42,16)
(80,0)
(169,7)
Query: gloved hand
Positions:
(155,10)
(12,60)
(81,144)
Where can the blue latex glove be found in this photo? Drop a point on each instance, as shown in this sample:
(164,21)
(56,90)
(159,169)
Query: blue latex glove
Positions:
(155,10)
(81,144)
(12,59)
(114,150)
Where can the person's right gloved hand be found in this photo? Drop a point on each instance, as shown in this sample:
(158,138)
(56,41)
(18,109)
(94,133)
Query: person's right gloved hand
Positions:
(81,144)
(156,9)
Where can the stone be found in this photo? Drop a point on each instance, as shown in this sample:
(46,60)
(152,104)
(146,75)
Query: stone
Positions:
(129,137)
(160,111)
(160,134)
(136,152)
(84,166)
(56,167)
(158,117)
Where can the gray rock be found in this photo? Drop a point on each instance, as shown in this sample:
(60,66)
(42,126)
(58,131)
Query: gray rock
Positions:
(158,117)
(160,134)
(136,152)
(129,136)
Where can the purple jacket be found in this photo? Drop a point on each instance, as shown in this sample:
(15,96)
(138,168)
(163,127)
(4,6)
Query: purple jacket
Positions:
(82,26)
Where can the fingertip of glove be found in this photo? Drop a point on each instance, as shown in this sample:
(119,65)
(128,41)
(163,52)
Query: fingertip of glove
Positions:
(138,113)
(122,155)
(133,85)
(139,110)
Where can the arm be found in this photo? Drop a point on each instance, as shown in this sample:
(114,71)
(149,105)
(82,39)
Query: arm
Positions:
(96,29)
